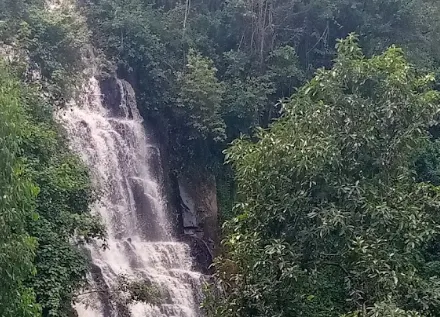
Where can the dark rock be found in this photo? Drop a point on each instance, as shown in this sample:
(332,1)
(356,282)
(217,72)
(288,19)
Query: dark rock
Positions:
(201,253)
(198,206)
(111,95)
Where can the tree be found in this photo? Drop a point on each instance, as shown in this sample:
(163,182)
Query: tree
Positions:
(63,207)
(200,97)
(330,219)
(17,194)
(45,202)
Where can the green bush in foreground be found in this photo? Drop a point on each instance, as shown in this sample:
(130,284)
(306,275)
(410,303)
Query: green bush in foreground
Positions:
(330,218)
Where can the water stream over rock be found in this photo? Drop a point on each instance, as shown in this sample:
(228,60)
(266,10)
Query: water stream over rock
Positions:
(114,145)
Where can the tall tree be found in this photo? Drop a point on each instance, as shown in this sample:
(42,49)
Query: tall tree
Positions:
(330,219)
(200,97)
(17,196)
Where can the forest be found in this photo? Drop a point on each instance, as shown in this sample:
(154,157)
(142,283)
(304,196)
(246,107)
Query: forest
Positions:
(317,118)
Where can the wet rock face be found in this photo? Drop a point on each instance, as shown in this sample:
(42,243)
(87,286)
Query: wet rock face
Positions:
(191,199)
(113,96)
(109,133)
(199,217)
(201,252)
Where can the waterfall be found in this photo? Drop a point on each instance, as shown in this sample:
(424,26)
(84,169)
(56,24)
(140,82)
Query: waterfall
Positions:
(113,143)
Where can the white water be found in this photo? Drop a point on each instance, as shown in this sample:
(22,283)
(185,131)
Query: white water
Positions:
(114,145)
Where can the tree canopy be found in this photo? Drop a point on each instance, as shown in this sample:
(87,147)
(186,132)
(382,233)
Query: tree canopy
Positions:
(17,247)
(332,157)
(330,218)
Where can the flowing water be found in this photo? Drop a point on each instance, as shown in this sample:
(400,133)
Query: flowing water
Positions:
(123,163)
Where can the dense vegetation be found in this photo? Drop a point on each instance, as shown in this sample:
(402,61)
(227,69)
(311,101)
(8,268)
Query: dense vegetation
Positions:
(17,195)
(46,195)
(246,56)
(331,219)
(45,189)
(334,186)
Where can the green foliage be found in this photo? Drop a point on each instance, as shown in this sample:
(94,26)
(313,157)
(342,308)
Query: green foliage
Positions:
(330,218)
(63,205)
(56,43)
(285,70)
(427,165)
(50,46)
(137,290)
(46,195)
(52,43)
(127,290)
(246,96)
(129,33)
(263,51)
(63,208)
(333,177)
(381,23)
(17,193)
(225,192)
(150,44)
(200,97)
(244,103)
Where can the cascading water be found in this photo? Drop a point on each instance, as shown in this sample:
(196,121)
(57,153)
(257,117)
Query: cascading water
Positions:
(113,144)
